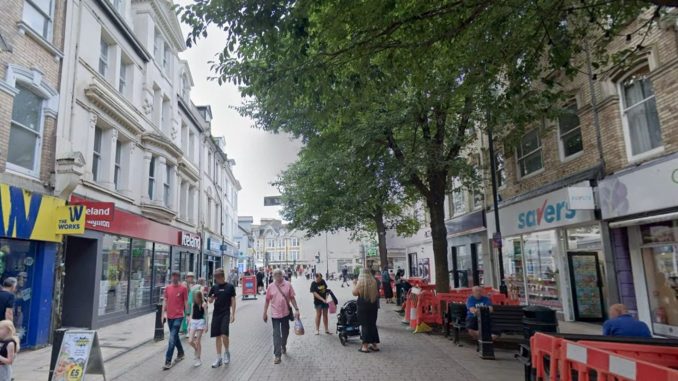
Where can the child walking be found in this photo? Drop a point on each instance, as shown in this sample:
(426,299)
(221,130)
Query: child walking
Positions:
(198,324)
(9,346)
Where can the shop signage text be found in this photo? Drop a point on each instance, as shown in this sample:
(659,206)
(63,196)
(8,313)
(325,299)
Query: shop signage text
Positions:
(28,215)
(547,213)
(190,240)
(70,219)
(129,224)
(99,214)
(213,245)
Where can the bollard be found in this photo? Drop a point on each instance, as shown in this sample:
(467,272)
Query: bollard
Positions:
(159,324)
(485,334)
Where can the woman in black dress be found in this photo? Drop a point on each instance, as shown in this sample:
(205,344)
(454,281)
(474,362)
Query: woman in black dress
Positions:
(367,291)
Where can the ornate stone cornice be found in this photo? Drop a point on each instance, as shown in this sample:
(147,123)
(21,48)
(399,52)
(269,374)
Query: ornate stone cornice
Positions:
(161,142)
(109,101)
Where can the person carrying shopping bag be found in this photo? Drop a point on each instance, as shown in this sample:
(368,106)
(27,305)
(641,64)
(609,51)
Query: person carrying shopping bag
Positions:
(279,296)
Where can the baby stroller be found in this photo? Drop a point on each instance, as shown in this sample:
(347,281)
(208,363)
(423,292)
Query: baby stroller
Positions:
(347,321)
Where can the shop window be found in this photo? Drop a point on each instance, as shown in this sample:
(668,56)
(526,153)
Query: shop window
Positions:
(96,154)
(161,269)
(38,15)
(661,271)
(529,154)
(25,134)
(639,110)
(569,132)
(541,269)
(661,232)
(585,238)
(140,275)
(17,259)
(114,281)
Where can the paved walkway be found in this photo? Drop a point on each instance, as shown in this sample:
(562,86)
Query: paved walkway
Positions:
(404,356)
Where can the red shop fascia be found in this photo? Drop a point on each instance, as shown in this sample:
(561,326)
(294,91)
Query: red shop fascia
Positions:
(107,218)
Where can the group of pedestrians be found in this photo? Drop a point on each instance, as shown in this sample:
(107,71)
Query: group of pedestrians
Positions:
(280,300)
(176,298)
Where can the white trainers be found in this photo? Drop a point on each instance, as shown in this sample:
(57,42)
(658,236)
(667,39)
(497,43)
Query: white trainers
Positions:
(227,358)
(217,363)
(197,363)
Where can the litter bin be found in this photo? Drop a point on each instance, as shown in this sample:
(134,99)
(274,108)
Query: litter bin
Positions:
(539,319)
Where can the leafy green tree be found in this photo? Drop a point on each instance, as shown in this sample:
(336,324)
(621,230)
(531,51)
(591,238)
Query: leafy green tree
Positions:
(414,78)
(338,184)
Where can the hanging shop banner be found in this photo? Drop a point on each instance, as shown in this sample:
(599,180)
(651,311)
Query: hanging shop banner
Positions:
(79,354)
(70,219)
(28,215)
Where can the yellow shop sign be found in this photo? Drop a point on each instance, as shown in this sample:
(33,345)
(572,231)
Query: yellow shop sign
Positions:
(28,215)
(70,219)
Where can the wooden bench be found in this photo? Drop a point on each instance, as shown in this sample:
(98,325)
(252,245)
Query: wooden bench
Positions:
(505,319)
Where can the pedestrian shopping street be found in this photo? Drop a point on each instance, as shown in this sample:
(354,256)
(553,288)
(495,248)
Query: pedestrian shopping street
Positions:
(403,355)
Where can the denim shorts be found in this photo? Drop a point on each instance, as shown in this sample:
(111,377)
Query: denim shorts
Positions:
(322,306)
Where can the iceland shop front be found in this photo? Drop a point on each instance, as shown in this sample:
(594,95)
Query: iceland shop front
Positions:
(117,269)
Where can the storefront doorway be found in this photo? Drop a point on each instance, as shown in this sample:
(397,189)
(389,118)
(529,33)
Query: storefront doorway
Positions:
(587,286)
(466,266)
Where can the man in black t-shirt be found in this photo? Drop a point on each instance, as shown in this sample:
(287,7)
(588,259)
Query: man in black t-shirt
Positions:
(7,299)
(222,294)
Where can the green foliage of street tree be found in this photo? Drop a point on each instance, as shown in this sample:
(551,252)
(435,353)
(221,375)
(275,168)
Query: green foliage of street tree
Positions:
(341,184)
(413,80)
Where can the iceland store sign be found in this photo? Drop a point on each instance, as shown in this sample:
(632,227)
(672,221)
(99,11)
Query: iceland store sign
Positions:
(559,208)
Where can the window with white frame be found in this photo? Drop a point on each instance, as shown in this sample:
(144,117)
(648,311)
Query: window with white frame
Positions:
(639,109)
(25,130)
(125,74)
(96,154)
(104,53)
(209,163)
(151,178)
(38,15)
(191,146)
(119,6)
(529,153)
(294,242)
(270,242)
(166,57)
(117,171)
(165,116)
(158,44)
(209,212)
(500,169)
(569,132)
(167,191)
(458,198)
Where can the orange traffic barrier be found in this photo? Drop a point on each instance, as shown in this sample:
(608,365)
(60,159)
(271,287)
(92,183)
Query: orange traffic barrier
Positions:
(428,310)
(554,358)
(660,355)
(410,306)
(545,348)
(583,360)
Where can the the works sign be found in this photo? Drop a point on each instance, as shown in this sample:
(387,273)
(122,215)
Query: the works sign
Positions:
(558,208)
(28,215)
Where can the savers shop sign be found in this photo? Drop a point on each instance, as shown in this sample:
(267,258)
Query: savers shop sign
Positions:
(545,212)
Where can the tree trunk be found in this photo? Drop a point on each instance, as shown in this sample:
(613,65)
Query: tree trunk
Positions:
(436,205)
(381,239)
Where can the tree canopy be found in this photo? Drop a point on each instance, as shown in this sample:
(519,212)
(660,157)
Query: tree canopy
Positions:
(412,80)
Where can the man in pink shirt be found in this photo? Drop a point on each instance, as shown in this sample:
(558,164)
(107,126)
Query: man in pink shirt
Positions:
(176,296)
(279,295)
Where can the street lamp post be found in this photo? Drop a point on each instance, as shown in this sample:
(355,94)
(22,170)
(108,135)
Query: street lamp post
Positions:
(327,260)
(497,238)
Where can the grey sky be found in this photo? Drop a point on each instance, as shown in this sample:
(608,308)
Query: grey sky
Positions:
(259,155)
